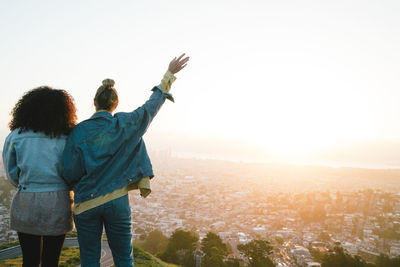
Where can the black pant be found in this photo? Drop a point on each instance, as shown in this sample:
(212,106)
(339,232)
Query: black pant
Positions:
(44,249)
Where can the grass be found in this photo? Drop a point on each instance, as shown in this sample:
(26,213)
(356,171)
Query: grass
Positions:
(139,243)
(145,259)
(16,243)
(71,234)
(70,257)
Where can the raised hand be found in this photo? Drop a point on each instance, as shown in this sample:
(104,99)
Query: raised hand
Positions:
(178,63)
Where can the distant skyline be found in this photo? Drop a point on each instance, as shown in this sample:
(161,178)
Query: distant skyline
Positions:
(310,82)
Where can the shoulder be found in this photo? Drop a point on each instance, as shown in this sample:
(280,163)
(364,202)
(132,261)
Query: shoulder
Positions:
(26,134)
(28,139)
(77,132)
(123,115)
(89,128)
(10,140)
(19,134)
(11,136)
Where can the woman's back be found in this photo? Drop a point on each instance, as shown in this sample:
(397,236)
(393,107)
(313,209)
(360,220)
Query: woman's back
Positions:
(37,161)
(41,208)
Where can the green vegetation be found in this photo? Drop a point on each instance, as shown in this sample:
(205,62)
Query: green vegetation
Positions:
(71,234)
(257,253)
(338,257)
(215,250)
(316,254)
(155,243)
(142,233)
(145,259)
(69,257)
(180,248)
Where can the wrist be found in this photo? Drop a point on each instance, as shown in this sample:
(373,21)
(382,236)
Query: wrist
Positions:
(169,74)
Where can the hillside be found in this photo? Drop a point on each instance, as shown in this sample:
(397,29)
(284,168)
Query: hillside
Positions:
(69,258)
(145,259)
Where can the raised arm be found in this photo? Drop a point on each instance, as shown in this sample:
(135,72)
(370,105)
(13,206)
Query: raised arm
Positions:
(142,116)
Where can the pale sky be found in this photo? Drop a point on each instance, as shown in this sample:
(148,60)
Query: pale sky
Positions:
(303,81)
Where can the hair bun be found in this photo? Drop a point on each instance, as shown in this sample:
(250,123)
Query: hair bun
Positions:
(109,83)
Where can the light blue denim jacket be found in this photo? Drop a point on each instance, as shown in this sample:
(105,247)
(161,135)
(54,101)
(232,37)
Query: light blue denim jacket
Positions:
(106,152)
(33,161)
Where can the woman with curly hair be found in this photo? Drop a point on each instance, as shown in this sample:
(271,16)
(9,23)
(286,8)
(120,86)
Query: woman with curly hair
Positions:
(41,208)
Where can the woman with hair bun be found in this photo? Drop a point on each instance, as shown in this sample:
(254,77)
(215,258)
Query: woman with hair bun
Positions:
(104,158)
(41,209)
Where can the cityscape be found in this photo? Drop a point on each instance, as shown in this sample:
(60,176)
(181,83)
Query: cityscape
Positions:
(301,210)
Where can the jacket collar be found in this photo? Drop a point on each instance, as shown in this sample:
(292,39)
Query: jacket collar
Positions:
(101,113)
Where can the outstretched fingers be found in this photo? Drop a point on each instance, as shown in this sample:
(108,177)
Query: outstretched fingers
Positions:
(178,63)
(181,56)
(183,61)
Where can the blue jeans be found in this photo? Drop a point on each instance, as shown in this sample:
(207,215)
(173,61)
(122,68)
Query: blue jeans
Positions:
(115,215)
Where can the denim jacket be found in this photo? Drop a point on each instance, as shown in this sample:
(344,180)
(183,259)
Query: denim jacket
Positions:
(106,152)
(32,161)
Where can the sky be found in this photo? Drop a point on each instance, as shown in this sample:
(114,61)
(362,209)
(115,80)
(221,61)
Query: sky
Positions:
(307,82)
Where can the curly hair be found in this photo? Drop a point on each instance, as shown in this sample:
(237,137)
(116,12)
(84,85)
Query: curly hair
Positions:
(44,109)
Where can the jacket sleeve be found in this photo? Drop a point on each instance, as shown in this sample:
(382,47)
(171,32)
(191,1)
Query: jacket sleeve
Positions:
(10,162)
(73,165)
(143,116)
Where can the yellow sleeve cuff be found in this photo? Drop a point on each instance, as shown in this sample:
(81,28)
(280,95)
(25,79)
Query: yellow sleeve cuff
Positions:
(143,185)
(167,81)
